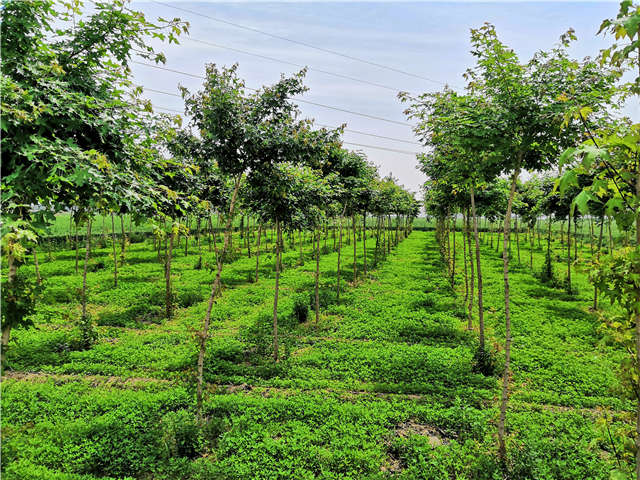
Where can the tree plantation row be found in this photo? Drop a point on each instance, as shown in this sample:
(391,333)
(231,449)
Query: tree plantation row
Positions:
(85,147)
(550,113)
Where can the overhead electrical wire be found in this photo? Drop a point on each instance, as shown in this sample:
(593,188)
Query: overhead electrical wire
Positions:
(286,62)
(331,107)
(406,152)
(298,42)
(320,125)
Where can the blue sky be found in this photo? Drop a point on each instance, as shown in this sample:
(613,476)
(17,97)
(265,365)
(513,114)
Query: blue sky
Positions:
(428,39)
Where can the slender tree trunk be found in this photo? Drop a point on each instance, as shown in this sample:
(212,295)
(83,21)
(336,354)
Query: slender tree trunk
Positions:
(538,232)
(70,236)
(507,318)
(478,269)
(389,235)
(301,259)
(355,251)
(591,234)
(569,253)
(77,246)
(37,266)
(471,280)
(258,250)
(610,236)
(575,239)
(211,233)
(464,259)
(518,239)
(198,231)
(87,252)
(115,257)
(453,258)
(275,296)
(186,238)
(167,275)
(364,241)
(6,327)
(339,252)
(446,232)
(595,288)
(317,294)
(215,289)
(123,240)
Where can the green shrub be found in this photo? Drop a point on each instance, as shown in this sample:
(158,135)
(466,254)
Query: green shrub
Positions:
(189,297)
(181,436)
(484,362)
(300,309)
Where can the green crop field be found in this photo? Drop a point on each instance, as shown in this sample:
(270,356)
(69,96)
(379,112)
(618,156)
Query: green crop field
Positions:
(381,386)
(428,269)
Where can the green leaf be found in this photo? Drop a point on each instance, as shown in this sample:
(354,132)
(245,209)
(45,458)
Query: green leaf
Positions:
(581,201)
(570,178)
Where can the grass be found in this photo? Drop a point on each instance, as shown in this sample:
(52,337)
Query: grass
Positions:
(382,387)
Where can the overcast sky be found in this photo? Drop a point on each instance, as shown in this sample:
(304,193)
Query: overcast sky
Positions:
(426,39)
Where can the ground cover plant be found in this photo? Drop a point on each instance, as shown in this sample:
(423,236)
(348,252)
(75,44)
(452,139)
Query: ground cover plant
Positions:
(235,294)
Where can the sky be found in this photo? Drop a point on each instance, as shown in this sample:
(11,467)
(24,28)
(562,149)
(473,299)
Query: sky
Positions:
(424,44)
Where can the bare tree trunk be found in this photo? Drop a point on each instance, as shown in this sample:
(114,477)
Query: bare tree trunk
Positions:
(518,239)
(531,244)
(595,288)
(464,259)
(77,246)
(317,296)
(258,250)
(610,236)
(364,241)
(471,280)
(167,276)
(507,318)
(453,257)
(6,327)
(87,252)
(591,234)
(36,265)
(339,253)
(211,233)
(115,257)
(275,296)
(186,238)
(375,253)
(198,231)
(479,270)
(389,235)
(301,259)
(123,240)
(215,289)
(575,239)
(355,251)
(569,253)
(70,236)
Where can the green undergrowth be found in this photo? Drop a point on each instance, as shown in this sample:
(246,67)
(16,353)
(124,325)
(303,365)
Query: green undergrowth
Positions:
(381,387)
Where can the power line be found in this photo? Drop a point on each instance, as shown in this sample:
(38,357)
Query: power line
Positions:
(319,124)
(298,42)
(286,62)
(382,148)
(331,107)
(407,152)
(359,132)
